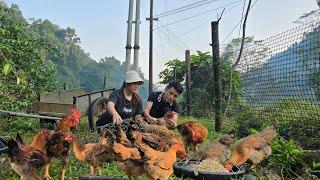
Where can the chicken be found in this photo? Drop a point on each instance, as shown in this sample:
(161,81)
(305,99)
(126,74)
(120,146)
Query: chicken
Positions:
(153,140)
(159,130)
(60,140)
(27,160)
(158,165)
(217,150)
(132,168)
(160,143)
(193,133)
(258,155)
(169,120)
(58,146)
(253,148)
(123,153)
(94,154)
(128,158)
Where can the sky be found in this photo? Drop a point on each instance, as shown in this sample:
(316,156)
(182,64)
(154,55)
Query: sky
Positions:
(102,24)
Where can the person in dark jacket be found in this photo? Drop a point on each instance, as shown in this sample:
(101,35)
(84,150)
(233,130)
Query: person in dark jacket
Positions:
(123,103)
(159,103)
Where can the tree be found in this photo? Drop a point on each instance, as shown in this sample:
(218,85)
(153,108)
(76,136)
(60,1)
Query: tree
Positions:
(24,68)
(201,81)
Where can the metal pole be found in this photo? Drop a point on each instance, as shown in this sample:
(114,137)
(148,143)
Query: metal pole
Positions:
(188,81)
(10,113)
(129,34)
(216,73)
(151,46)
(136,46)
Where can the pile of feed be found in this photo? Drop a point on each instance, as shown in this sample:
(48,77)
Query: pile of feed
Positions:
(209,165)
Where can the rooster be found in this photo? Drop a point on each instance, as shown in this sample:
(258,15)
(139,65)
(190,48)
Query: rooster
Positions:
(27,160)
(253,148)
(193,133)
(60,140)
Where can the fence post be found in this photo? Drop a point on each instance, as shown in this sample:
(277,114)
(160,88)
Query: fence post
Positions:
(104,82)
(216,73)
(188,81)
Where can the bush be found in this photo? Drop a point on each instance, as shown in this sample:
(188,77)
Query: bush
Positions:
(297,120)
(250,119)
(287,155)
(300,121)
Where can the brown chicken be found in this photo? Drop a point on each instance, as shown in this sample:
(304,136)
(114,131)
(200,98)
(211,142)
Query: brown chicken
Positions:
(60,140)
(169,120)
(128,157)
(133,168)
(27,160)
(158,165)
(123,153)
(253,148)
(217,150)
(95,154)
(193,133)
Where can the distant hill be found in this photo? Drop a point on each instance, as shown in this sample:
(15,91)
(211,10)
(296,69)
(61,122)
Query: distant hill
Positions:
(292,73)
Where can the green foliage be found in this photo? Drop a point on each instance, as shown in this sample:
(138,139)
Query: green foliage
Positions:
(297,119)
(248,120)
(300,121)
(202,82)
(287,155)
(38,55)
(25,71)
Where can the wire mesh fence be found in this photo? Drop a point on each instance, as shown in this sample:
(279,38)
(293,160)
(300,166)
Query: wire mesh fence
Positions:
(277,78)
(285,66)
(280,79)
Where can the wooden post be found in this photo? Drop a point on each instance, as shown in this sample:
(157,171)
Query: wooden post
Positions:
(216,73)
(175,71)
(188,81)
(104,82)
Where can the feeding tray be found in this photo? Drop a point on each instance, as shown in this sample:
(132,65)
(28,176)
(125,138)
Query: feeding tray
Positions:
(183,169)
(3,145)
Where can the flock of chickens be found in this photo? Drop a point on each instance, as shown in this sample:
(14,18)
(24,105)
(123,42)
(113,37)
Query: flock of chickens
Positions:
(137,147)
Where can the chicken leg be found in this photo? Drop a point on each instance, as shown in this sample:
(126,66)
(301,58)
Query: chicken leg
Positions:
(46,174)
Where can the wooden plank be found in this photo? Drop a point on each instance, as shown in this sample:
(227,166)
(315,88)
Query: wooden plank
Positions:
(52,97)
(51,107)
(64,96)
(83,102)
(67,95)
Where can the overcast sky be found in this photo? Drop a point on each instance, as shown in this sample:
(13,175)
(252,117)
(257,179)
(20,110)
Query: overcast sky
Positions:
(101,24)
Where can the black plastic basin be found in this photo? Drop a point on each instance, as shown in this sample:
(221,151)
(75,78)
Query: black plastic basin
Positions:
(3,145)
(181,169)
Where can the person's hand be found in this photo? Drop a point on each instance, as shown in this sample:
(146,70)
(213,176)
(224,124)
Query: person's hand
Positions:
(117,119)
(152,120)
(171,122)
